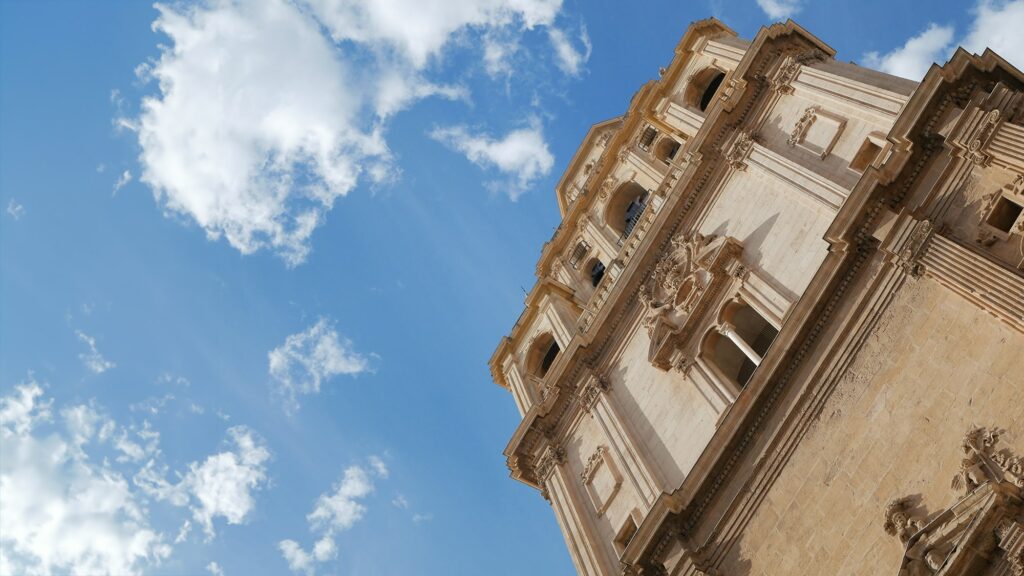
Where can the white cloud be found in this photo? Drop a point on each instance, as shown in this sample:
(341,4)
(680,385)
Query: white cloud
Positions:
(270,111)
(919,52)
(122,180)
(999,26)
(332,513)
(400,501)
(499,48)
(92,359)
(417,30)
(15,210)
(309,358)
(223,484)
(419,518)
(254,134)
(569,59)
(779,9)
(215,569)
(521,154)
(59,511)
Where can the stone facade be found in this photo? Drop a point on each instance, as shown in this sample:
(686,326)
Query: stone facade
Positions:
(780,329)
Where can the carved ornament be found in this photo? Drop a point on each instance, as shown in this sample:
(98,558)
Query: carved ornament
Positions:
(589,393)
(740,149)
(690,273)
(593,462)
(910,256)
(552,457)
(802,126)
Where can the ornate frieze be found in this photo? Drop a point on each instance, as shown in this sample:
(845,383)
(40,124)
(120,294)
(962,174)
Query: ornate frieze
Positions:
(592,463)
(900,520)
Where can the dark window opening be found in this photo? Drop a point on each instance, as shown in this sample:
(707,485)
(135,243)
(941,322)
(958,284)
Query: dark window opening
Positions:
(647,138)
(709,92)
(1005,214)
(626,533)
(596,273)
(579,253)
(633,212)
(549,358)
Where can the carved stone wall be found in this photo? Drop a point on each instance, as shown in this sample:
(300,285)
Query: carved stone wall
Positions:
(893,428)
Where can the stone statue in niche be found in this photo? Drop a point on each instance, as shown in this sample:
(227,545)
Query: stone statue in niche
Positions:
(677,283)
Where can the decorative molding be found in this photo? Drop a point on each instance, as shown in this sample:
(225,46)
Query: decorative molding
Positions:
(740,150)
(552,457)
(588,394)
(802,125)
(592,463)
(910,256)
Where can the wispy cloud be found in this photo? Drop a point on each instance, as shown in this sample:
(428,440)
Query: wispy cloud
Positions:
(122,180)
(215,569)
(522,155)
(334,512)
(779,9)
(569,59)
(92,358)
(221,486)
(308,359)
(14,209)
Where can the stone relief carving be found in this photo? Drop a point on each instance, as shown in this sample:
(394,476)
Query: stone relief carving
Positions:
(592,463)
(974,153)
(981,530)
(671,292)
(911,254)
(983,463)
(900,521)
(802,125)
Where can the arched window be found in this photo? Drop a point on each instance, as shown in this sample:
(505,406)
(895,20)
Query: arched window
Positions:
(542,355)
(596,272)
(702,88)
(739,344)
(666,149)
(625,207)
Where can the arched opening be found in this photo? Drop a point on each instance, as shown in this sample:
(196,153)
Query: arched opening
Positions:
(625,207)
(740,342)
(542,355)
(666,150)
(701,91)
(596,272)
(730,361)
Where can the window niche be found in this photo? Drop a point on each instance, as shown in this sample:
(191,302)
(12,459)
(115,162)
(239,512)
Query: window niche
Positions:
(1003,214)
(666,150)
(625,534)
(543,353)
(624,208)
(701,90)
(738,344)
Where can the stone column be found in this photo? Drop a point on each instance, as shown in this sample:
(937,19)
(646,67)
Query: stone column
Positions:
(577,529)
(729,331)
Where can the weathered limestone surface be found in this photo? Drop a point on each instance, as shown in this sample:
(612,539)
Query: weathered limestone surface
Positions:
(933,369)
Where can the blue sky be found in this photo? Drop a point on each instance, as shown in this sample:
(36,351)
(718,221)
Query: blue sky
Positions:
(255,256)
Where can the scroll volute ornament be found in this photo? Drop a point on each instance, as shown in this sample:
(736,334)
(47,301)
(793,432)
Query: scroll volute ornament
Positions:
(681,291)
